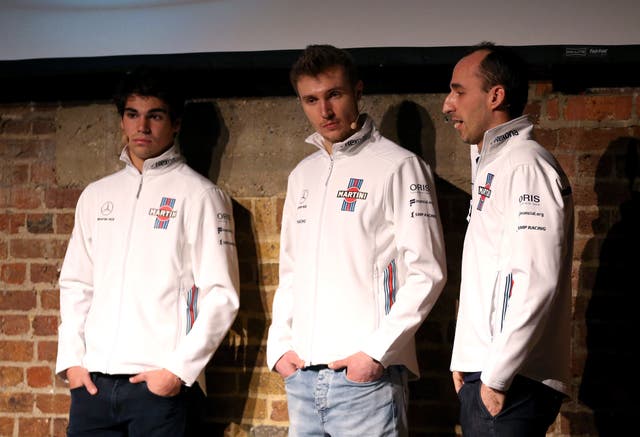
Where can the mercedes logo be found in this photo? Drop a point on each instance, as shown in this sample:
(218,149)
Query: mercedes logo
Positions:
(106,208)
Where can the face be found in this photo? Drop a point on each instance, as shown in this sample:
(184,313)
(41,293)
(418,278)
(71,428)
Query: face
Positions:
(148,128)
(469,107)
(330,103)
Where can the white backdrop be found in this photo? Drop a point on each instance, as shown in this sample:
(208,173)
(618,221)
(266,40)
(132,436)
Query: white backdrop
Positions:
(32,29)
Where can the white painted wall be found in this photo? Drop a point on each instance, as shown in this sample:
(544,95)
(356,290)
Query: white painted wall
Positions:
(32,29)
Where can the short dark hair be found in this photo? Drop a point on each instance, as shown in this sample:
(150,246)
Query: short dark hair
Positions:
(150,82)
(502,66)
(318,58)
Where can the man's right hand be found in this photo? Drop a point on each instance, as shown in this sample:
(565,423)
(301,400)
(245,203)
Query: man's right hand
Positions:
(458,380)
(79,376)
(288,364)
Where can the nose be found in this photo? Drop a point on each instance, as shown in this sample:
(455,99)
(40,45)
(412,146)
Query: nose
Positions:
(326,109)
(447,106)
(143,124)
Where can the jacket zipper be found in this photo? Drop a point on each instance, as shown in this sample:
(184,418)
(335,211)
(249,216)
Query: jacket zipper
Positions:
(117,323)
(315,280)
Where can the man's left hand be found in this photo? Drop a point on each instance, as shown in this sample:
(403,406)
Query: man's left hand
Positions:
(160,382)
(360,367)
(492,399)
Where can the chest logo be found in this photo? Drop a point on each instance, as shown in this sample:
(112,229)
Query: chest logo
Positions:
(164,213)
(485,191)
(352,194)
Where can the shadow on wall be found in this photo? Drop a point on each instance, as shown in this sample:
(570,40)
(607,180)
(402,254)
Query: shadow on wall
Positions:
(203,138)
(433,406)
(610,383)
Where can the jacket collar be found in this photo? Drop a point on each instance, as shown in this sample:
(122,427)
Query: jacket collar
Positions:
(350,145)
(497,138)
(160,164)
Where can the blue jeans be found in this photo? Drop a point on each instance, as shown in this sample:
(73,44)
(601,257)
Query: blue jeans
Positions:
(530,408)
(123,409)
(323,402)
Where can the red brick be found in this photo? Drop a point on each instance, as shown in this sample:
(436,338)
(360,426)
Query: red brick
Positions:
(39,377)
(590,221)
(47,350)
(34,426)
(12,324)
(25,248)
(43,126)
(12,222)
(45,325)
(553,108)
(17,300)
(50,299)
(22,149)
(62,197)
(64,223)
(546,137)
(13,273)
(6,426)
(40,223)
(60,427)
(542,89)
(43,173)
(279,412)
(16,403)
(598,108)
(594,164)
(16,174)
(268,274)
(25,198)
(11,376)
(53,404)
(47,273)
(14,127)
(567,161)
(533,110)
(4,250)
(590,139)
(17,351)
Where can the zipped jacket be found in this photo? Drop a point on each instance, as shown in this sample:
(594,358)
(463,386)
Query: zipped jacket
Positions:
(515,297)
(150,276)
(362,258)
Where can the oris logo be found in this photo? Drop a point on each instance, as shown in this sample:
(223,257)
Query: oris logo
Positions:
(419,188)
(529,198)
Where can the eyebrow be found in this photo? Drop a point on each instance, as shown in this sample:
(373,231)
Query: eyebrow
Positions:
(455,85)
(150,111)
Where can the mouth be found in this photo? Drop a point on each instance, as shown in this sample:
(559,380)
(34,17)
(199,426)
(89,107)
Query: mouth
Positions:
(141,141)
(329,125)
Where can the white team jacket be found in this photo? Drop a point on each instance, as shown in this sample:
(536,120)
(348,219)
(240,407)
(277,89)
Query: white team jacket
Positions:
(362,258)
(149,252)
(515,297)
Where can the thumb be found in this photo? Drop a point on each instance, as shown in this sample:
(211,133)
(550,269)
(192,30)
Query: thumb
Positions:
(140,377)
(338,364)
(91,387)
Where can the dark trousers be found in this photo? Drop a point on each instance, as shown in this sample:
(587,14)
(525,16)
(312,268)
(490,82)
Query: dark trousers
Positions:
(123,409)
(530,408)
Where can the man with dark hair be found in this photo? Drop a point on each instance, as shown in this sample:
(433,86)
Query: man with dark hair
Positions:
(148,288)
(510,359)
(361,263)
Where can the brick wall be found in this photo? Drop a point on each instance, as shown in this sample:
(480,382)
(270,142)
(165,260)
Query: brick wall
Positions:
(49,152)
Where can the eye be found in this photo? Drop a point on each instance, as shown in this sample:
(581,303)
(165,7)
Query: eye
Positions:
(130,114)
(309,100)
(335,94)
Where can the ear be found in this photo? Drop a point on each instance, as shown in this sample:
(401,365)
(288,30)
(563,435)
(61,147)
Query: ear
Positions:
(496,97)
(177,125)
(358,90)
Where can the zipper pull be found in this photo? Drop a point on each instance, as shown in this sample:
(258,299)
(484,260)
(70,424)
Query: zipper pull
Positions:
(139,188)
